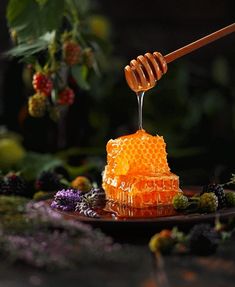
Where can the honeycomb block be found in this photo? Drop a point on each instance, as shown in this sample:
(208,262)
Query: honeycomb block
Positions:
(139,153)
(137,173)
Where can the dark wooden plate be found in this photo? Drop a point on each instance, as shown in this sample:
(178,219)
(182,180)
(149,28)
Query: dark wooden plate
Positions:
(132,227)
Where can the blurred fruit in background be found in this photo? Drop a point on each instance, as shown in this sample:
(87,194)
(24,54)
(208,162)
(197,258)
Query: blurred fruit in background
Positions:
(11,149)
(99,26)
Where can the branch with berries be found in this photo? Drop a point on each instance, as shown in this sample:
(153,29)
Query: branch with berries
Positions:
(55,40)
(203,239)
(212,197)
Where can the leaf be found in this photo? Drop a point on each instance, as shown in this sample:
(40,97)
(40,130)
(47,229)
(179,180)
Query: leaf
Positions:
(80,74)
(41,2)
(82,6)
(26,50)
(34,163)
(31,20)
(75,171)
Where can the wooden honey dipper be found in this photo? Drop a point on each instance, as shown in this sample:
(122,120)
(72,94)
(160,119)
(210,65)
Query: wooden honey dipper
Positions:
(143,73)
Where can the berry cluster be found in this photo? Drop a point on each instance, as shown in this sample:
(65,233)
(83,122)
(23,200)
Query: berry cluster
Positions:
(212,197)
(202,239)
(13,184)
(218,190)
(41,101)
(50,82)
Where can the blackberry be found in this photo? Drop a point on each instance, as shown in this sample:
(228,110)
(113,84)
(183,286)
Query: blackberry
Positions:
(208,202)
(3,187)
(59,169)
(15,185)
(180,201)
(203,240)
(230,198)
(48,181)
(218,190)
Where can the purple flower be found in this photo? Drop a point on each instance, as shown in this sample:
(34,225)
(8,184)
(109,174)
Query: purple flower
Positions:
(66,199)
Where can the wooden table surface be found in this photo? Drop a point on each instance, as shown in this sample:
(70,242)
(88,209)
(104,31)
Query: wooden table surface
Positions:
(138,269)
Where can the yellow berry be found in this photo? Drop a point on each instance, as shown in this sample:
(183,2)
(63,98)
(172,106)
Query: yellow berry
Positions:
(82,183)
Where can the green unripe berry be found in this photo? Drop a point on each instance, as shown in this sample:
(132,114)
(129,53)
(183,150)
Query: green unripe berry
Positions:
(230,198)
(180,202)
(208,202)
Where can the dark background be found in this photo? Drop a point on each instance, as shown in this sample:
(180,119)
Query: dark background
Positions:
(193,106)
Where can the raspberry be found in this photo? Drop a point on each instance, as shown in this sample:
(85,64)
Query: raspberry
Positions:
(37,105)
(42,83)
(15,185)
(66,96)
(71,53)
(230,198)
(162,242)
(218,190)
(203,240)
(208,202)
(82,183)
(48,181)
(180,201)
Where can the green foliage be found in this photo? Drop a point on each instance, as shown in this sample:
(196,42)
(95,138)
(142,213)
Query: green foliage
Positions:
(25,50)
(30,20)
(42,195)
(58,39)
(34,163)
(10,205)
(80,74)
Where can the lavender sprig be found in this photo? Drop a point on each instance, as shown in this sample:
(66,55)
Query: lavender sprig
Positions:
(93,199)
(84,209)
(66,199)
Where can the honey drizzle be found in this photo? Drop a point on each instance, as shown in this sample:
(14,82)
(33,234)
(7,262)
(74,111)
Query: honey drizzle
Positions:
(140,99)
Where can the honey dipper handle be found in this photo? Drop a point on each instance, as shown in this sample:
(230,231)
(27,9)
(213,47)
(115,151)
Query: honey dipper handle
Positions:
(199,43)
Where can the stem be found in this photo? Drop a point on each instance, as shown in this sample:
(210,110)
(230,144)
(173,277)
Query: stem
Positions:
(75,18)
(52,51)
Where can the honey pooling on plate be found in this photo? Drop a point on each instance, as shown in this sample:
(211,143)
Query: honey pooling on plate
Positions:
(137,173)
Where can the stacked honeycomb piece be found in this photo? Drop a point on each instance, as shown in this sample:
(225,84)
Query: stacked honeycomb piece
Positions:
(137,173)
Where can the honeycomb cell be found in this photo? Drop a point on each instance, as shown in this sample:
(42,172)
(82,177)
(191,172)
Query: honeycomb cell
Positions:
(137,173)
